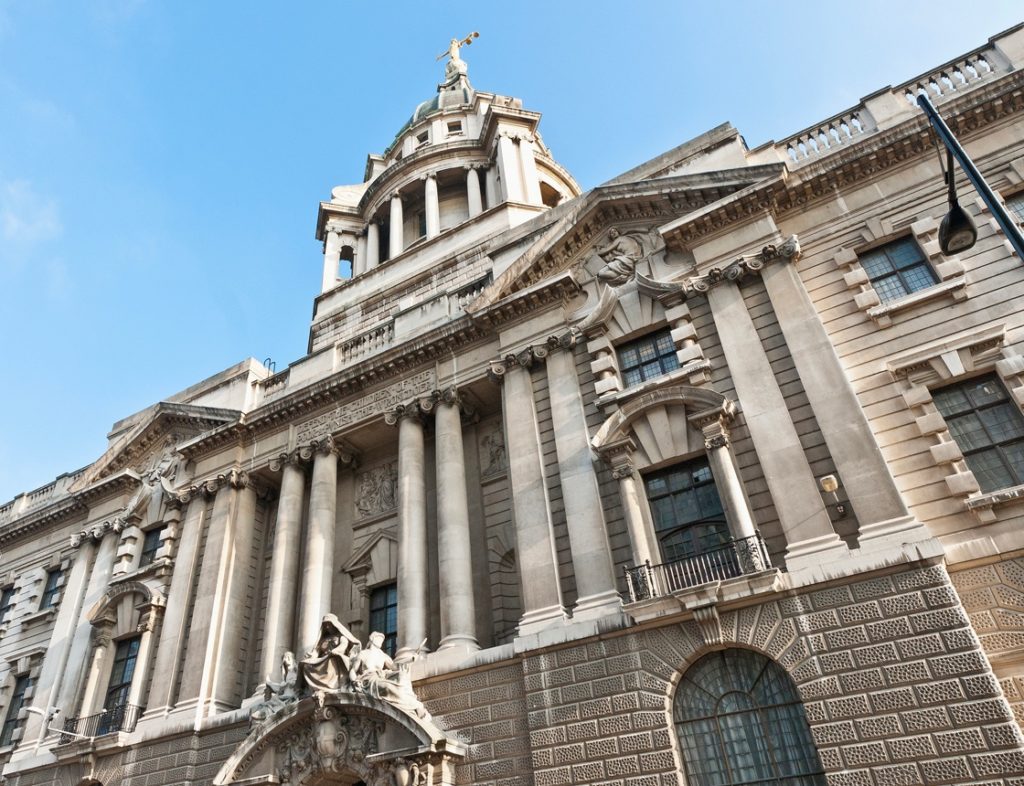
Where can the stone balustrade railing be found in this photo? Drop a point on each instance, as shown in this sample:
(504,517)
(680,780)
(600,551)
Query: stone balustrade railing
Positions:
(367,343)
(891,104)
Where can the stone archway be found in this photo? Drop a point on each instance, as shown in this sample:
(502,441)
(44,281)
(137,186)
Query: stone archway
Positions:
(348,739)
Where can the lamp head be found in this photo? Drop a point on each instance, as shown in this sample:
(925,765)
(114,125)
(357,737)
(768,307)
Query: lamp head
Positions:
(957,231)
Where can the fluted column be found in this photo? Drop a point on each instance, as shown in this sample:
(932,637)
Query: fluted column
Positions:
(455,569)
(584,515)
(318,569)
(473,197)
(372,246)
(284,566)
(396,238)
(174,630)
(535,543)
(431,207)
(412,530)
(794,491)
(332,256)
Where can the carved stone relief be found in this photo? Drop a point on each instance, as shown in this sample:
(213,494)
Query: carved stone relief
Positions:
(615,261)
(492,450)
(375,490)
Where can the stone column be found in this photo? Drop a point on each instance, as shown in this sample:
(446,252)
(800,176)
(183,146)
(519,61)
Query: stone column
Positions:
(508,165)
(531,180)
(865,474)
(359,258)
(491,190)
(396,237)
(318,570)
(455,566)
(645,545)
(535,543)
(431,207)
(802,513)
(284,566)
(473,196)
(372,246)
(412,530)
(146,627)
(99,668)
(332,256)
(584,515)
(99,581)
(174,629)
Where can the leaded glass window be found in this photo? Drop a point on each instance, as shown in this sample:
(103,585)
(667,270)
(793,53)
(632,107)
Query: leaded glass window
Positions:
(989,429)
(647,358)
(1015,204)
(11,721)
(897,269)
(740,721)
(384,615)
(150,546)
(51,590)
(688,514)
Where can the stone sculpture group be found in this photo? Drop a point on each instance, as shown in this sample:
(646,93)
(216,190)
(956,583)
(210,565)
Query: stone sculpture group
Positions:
(338,663)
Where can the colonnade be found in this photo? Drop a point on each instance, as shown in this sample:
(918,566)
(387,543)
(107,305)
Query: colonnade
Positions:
(365,244)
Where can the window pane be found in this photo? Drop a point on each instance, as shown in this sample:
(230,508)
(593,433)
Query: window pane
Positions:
(918,278)
(1003,422)
(876,264)
(968,432)
(984,391)
(890,288)
(647,357)
(904,253)
(989,470)
(951,401)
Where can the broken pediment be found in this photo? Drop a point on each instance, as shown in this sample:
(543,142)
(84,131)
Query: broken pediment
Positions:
(343,738)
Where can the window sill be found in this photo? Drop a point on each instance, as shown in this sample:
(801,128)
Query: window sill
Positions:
(983,504)
(954,287)
(38,616)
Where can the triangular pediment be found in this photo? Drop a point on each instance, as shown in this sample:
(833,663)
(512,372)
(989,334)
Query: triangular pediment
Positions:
(148,446)
(638,209)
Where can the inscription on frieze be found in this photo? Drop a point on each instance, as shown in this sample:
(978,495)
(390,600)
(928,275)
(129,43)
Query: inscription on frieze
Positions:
(367,407)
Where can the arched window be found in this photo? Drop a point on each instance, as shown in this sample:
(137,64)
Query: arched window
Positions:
(740,721)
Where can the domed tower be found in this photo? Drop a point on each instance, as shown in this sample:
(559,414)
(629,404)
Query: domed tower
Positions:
(465,166)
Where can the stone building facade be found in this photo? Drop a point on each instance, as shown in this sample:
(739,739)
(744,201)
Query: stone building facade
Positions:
(709,475)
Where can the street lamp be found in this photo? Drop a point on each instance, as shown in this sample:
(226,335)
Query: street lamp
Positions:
(957,231)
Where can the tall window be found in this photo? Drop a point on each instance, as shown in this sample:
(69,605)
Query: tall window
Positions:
(150,546)
(6,603)
(647,357)
(688,515)
(384,615)
(121,673)
(988,428)
(897,269)
(740,721)
(51,590)
(11,721)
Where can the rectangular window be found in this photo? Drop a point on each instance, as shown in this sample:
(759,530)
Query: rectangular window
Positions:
(423,138)
(454,127)
(151,545)
(51,590)
(1015,204)
(384,615)
(120,686)
(11,721)
(6,603)
(688,514)
(897,269)
(988,428)
(647,357)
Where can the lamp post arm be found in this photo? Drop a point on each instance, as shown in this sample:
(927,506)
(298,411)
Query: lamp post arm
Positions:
(995,204)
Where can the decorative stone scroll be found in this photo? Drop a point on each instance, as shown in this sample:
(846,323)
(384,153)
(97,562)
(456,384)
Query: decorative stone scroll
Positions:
(368,406)
(788,251)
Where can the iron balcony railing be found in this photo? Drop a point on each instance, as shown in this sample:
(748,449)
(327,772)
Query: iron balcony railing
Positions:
(122,717)
(732,559)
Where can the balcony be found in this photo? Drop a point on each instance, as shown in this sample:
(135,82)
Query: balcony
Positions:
(122,717)
(733,559)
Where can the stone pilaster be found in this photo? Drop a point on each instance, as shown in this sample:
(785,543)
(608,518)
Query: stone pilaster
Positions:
(455,568)
(535,543)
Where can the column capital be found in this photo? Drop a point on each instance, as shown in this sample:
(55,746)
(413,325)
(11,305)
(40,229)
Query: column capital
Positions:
(716,441)
(623,469)
(329,445)
(619,456)
(524,358)
(102,633)
(428,176)
(289,458)
(566,340)
(395,195)
(787,251)
(414,409)
(475,166)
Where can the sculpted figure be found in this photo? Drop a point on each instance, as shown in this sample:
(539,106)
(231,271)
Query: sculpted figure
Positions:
(326,666)
(374,673)
(620,255)
(277,694)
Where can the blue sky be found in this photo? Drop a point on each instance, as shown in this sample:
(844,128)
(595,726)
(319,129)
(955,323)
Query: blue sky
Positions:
(161,163)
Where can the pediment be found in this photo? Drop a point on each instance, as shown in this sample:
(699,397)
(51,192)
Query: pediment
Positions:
(148,447)
(381,546)
(342,738)
(634,209)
